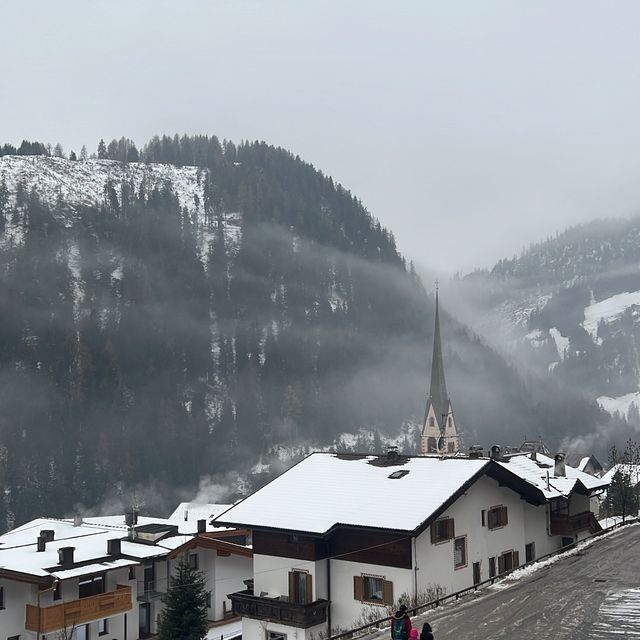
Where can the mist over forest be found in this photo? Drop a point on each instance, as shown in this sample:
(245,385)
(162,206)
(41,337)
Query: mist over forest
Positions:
(161,348)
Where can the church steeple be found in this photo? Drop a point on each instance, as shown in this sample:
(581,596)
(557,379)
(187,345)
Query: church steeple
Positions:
(439,431)
(438,390)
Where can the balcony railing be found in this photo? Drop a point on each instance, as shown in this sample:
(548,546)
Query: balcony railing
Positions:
(68,614)
(564,525)
(302,616)
(149,590)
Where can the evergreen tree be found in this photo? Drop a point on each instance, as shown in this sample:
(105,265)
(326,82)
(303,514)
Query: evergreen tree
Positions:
(102,150)
(185,606)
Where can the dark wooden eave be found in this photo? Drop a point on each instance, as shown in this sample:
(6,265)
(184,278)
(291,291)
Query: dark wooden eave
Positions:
(206,541)
(19,576)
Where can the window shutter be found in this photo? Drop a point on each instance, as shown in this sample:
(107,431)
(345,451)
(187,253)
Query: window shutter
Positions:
(309,585)
(452,528)
(505,519)
(434,538)
(501,564)
(358,588)
(292,586)
(387,592)
(516,559)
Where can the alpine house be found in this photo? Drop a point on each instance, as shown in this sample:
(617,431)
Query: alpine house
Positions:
(339,533)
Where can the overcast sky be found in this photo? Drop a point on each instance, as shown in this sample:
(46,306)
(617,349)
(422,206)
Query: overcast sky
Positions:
(468,128)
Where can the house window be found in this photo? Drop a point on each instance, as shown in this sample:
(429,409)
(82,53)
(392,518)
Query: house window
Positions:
(57,591)
(492,567)
(449,423)
(373,589)
(91,586)
(193,561)
(432,422)
(276,635)
(2,598)
(442,530)
(482,513)
(451,447)
(132,573)
(460,552)
(103,627)
(432,445)
(530,552)
(299,587)
(13,638)
(508,561)
(208,599)
(82,632)
(497,517)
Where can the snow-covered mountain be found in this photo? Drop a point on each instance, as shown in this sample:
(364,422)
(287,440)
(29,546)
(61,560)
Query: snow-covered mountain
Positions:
(569,306)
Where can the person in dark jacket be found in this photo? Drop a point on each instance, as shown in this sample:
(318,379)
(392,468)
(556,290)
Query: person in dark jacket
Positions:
(426,633)
(400,624)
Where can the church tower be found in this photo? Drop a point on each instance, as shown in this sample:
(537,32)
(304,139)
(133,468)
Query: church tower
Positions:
(439,432)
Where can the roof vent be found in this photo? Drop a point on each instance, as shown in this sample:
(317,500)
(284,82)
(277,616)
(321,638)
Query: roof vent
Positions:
(396,475)
(42,543)
(393,454)
(77,520)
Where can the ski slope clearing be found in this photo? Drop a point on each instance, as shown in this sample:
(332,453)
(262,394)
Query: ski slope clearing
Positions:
(588,593)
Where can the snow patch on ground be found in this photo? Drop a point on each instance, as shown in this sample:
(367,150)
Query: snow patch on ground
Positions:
(562,343)
(609,309)
(536,338)
(620,404)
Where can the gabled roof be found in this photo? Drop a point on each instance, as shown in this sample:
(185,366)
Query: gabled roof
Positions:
(631,470)
(327,490)
(534,472)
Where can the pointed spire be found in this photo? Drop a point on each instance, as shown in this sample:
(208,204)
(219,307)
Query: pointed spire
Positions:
(438,390)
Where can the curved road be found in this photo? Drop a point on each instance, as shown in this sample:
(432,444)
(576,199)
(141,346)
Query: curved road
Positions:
(593,594)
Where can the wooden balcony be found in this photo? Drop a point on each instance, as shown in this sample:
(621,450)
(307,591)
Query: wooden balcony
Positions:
(67,614)
(563,525)
(302,616)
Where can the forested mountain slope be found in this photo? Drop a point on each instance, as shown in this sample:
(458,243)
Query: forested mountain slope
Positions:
(571,306)
(180,316)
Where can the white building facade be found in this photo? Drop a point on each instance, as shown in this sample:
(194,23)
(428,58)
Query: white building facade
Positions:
(340,537)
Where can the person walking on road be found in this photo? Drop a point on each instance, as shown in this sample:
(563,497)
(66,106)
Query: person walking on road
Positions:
(400,624)
(426,633)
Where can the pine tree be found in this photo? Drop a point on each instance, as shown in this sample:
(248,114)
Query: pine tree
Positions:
(185,606)
(102,149)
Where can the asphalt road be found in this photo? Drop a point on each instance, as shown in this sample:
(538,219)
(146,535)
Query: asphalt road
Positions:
(594,594)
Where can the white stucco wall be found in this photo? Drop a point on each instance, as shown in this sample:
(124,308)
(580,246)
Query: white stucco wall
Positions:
(228,573)
(525,524)
(345,609)
(16,597)
(271,574)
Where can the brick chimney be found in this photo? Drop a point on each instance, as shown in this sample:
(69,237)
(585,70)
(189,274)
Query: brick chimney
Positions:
(559,470)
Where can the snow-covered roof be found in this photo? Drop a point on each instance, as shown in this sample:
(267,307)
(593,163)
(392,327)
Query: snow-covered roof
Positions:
(187,514)
(327,489)
(631,470)
(535,473)
(18,547)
